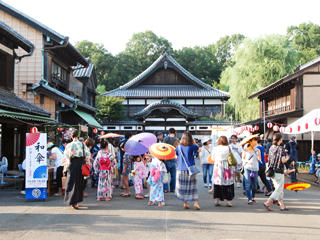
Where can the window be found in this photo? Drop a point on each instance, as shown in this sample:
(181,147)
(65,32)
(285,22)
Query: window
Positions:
(127,128)
(59,72)
(111,127)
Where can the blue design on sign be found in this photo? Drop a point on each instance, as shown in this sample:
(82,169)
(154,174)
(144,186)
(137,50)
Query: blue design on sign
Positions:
(36,193)
(40,172)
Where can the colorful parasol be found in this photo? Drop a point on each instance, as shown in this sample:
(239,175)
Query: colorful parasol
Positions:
(247,139)
(218,129)
(140,143)
(209,159)
(110,135)
(162,151)
(296,186)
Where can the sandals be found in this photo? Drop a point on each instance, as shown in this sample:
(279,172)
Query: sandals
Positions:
(75,207)
(217,204)
(250,203)
(229,205)
(126,195)
(196,207)
(98,199)
(267,207)
(152,203)
(146,196)
(108,199)
(139,197)
(85,194)
(284,209)
(57,195)
(165,191)
(186,207)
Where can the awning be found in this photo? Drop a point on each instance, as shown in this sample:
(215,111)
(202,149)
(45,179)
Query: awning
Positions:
(88,118)
(5,113)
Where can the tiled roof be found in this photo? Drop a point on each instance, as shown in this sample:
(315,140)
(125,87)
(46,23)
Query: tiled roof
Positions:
(162,91)
(10,100)
(122,123)
(165,103)
(165,55)
(80,71)
(212,123)
(20,40)
(63,95)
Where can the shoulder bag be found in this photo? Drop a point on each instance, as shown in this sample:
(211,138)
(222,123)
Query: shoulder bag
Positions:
(232,159)
(193,170)
(270,170)
(85,167)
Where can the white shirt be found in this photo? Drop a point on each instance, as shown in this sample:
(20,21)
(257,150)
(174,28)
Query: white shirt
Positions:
(58,161)
(236,151)
(205,154)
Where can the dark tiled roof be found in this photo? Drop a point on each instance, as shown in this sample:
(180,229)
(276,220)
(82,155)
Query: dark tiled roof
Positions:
(10,100)
(80,71)
(162,91)
(165,103)
(16,37)
(122,123)
(63,95)
(121,91)
(212,123)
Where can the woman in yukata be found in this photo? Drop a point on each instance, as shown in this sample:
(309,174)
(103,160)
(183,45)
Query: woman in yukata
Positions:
(155,180)
(139,173)
(104,166)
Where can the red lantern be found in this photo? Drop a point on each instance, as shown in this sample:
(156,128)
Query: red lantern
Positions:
(246,128)
(95,130)
(60,129)
(250,129)
(290,129)
(269,125)
(102,132)
(307,125)
(282,129)
(34,130)
(317,121)
(256,128)
(298,128)
(275,128)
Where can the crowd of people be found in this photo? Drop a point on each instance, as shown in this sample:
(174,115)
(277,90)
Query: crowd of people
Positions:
(113,167)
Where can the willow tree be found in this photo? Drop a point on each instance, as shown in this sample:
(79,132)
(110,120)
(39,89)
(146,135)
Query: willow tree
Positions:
(258,63)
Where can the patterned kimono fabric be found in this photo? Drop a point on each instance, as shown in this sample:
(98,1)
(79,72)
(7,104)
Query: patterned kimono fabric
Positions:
(104,166)
(142,173)
(155,180)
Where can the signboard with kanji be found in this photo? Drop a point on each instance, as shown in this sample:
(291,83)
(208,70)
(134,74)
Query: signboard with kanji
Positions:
(36,166)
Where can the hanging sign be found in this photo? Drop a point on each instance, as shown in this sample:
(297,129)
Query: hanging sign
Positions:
(36,166)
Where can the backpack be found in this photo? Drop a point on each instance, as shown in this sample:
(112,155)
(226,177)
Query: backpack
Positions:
(293,152)
(173,141)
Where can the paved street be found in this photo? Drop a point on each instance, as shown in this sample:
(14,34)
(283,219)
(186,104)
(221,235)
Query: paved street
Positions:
(128,218)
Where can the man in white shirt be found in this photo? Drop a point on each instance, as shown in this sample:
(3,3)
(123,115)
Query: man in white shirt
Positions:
(237,152)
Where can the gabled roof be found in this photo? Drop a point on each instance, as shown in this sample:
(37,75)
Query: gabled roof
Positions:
(18,39)
(164,60)
(86,72)
(167,105)
(10,100)
(299,72)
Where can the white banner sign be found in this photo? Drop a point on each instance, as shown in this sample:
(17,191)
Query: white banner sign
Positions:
(36,160)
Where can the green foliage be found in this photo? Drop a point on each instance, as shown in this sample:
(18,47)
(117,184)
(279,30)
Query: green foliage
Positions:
(258,63)
(305,40)
(204,119)
(110,108)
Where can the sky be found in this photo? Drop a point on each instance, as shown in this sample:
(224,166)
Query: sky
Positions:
(183,23)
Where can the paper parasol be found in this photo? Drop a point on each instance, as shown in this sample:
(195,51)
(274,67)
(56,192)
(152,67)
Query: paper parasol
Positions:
(140,143)
(209,159)
(162,151)
(110,135)
(296,186)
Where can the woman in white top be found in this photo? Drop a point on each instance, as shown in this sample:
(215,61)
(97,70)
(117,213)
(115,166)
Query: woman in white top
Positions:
(250,161)
(206,167)
(223,178)
(56,156)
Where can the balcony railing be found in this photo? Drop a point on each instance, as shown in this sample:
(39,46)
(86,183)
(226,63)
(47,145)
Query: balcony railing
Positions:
(278,110)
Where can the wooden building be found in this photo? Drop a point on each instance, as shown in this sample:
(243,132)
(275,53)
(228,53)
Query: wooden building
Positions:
(166,95)
(46,79)
(17,116)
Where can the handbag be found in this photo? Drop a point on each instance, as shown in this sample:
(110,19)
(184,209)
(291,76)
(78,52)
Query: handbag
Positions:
(270,172)
(193,170)
(64,181)
(86,170)
(165,178)
(231,158)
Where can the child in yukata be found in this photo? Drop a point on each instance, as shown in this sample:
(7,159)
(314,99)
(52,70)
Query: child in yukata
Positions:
(104,166)
(155,180)
(139,173)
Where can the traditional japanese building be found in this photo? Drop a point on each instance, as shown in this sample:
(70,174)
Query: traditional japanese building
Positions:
(46,79)
(166,95)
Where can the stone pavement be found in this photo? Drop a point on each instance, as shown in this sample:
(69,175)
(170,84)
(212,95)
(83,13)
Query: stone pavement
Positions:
(129,218)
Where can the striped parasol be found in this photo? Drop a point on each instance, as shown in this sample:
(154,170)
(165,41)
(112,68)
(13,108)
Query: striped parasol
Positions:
(163,151)
(110,135)
(296,186)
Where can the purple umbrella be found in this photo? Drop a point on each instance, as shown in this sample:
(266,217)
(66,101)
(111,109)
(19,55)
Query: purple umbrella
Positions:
(140,143)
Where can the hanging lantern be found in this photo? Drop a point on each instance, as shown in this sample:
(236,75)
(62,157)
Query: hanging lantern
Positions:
(307,125)
(282,129)
(34,130)
(60,129)
(317,121)
(246,128)
(256,128)
(102,132)
(275,128)
(290,129)
(298,128)
(269,125)
(95,130)
(250,129)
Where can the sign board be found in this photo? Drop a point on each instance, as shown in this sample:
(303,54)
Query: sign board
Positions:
(36,166)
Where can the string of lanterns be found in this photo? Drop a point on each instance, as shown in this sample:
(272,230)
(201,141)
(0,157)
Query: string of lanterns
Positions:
(60,129)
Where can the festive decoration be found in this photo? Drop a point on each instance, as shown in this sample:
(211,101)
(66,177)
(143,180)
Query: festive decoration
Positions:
(290,129)
(95,130)
(298,128)
(162,151)
(275,128)
(282,129)
(269,125)
(102,132)
(133,173)
(246,128)
(111,135)
(256,128)
(34,130)
(60,129)
(296,186)
(307,126)
(317,121)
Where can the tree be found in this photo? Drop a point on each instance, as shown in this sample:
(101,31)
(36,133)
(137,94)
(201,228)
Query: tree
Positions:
(257,63)
(111,108)
(305,39)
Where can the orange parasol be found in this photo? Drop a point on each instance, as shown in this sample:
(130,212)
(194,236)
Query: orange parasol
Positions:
(209,159)
(217,129)
(110,135)
(296,186)
(162,151)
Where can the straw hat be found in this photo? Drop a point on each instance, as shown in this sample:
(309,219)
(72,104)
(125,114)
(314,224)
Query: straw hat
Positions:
(206,139)
(50,145)
(247,139)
